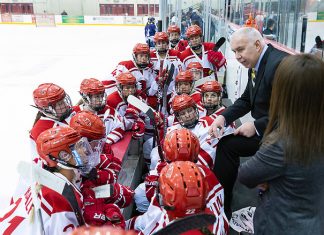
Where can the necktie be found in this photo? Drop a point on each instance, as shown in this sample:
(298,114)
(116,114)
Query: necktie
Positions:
(253,76)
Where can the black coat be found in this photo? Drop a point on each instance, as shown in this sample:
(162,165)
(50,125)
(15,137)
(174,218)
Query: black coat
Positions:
(257,99)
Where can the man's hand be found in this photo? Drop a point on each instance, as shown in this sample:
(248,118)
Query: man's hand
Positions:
(247,129)
(217,128)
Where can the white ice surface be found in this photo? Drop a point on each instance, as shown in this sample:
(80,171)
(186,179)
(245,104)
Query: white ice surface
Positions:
(63,55)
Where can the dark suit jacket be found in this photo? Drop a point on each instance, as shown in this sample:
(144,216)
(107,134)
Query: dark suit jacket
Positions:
(257,99)
(294,202)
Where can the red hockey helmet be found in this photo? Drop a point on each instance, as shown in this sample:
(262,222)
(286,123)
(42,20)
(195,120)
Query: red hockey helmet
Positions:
(182,189)
(125,78)
(54,141)
(88,125)
(48,94)
(193,30)
(141,48)
(52,101)
(184,76)
(161,36)
(181,102)
(91,86)
(211,86)
(173,29)
(194,65)
(181,145)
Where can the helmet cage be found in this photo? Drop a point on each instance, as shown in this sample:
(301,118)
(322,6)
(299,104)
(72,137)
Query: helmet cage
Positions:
(188,123)
(197,73)
(95,101)
(211,106)
(177,87)
(58,110)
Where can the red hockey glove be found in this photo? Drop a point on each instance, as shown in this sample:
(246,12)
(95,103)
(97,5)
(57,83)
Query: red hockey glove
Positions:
(138,128)
(93,209)
(151,183)
(110,162)
(114,216)
(103,177)
(216,58)
(123,195)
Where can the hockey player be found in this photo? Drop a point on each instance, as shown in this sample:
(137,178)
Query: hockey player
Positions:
(126,84)
(202,52)
(91,126)
(175,41)
(178,145)
(162,58)
(139,66)
(184,84)
(66,155)
(94,99)
(196,70)
(54,105)
(186,112)
(55,109)
(211,99)
(183,189)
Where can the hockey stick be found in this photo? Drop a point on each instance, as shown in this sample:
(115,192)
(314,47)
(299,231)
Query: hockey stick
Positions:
(164,97)
(188,223)
(159,92)
(150,113)
(219,43)
(53,182)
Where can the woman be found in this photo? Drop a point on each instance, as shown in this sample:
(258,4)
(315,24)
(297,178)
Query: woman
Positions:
(291,158)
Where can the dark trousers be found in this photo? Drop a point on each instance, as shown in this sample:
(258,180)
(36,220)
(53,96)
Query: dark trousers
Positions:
(228,153)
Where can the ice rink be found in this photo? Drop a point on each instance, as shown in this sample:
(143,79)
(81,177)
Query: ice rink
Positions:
(63,55)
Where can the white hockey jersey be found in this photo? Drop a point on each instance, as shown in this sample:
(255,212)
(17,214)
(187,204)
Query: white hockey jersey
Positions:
(57,215)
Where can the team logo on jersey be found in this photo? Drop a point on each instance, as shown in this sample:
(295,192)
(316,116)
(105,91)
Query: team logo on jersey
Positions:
(99,216)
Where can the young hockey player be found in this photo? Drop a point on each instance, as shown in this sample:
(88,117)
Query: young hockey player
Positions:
(140,67)
(67,156)
(94,99)
(183,189)
(54,105)
(184,84)
(211,99)
(126,84)
(186,112)
(106,171)
(202,52)
(175,41)
(162,58)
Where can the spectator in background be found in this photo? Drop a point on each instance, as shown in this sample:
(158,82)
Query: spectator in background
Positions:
(268,33)
(319,44)
(64,13)
(196,19)
(150,30)
(291,158)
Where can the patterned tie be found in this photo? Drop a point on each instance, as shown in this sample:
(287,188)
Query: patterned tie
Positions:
(253,75)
